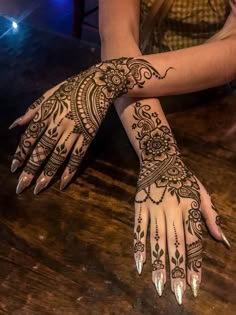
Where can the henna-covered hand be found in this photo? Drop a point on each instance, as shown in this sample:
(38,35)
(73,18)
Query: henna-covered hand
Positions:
(66,118)
(173,198)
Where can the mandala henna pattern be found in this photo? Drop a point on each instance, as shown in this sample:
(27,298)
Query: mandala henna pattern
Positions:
(85,98)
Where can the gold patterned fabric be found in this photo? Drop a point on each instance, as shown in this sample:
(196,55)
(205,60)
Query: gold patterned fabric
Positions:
(188,23)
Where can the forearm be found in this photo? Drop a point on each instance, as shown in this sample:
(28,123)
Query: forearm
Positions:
(190,69)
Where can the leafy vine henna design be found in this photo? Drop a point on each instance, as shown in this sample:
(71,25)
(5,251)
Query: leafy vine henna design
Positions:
(157,253)
(83,100)
(178,271)
(194,255)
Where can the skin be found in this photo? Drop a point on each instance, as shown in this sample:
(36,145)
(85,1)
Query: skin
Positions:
(171,215)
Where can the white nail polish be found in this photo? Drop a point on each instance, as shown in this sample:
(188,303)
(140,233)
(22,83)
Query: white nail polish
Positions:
(195,284)
(14,166)
(15,123)
(225,240)
(22,184)
(40,185)
(139,262)
(159,282)
(179,291)
(65,180)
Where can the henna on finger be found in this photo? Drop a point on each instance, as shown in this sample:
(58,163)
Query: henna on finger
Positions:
(139,245)
(177,260)
(194,255)
(157,263)
(178,272)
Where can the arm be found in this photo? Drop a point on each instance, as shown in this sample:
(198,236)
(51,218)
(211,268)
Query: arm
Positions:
(191,69)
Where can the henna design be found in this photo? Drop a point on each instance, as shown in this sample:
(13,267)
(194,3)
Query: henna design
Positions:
(157,253)
(162,168)
(84,100)
(138,235)
(76,158)
(194,255)
(194,221)
(37,103)
(178,271)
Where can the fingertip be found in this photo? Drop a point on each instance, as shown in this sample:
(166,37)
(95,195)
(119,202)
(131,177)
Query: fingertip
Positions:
(65,179)
(225,240)
(15,123)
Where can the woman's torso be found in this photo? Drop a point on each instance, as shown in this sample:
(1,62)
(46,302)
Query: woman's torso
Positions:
(187,23)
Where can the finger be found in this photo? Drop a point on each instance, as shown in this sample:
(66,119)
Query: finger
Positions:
(140,234)
(193,237)
(42,149)
(33,108)
(211,217)
(76,158)
(176,251)
(28,140)
(56,160)
(29,114)
(158,248)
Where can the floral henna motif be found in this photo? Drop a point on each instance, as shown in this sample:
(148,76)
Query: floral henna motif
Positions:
(102,84)
(161,164)
(138,236)
(178,271)
(84,100)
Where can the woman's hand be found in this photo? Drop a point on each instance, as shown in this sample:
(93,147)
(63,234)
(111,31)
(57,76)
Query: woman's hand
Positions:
(174,200)
(67,117)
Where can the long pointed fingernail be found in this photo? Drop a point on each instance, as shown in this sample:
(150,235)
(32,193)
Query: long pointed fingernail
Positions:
(65,180)
(40,185)
(179,291)
(14,165)
(15,123)
(22,184)
(195,284)
(159,282)
(139,262)
(225,240)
